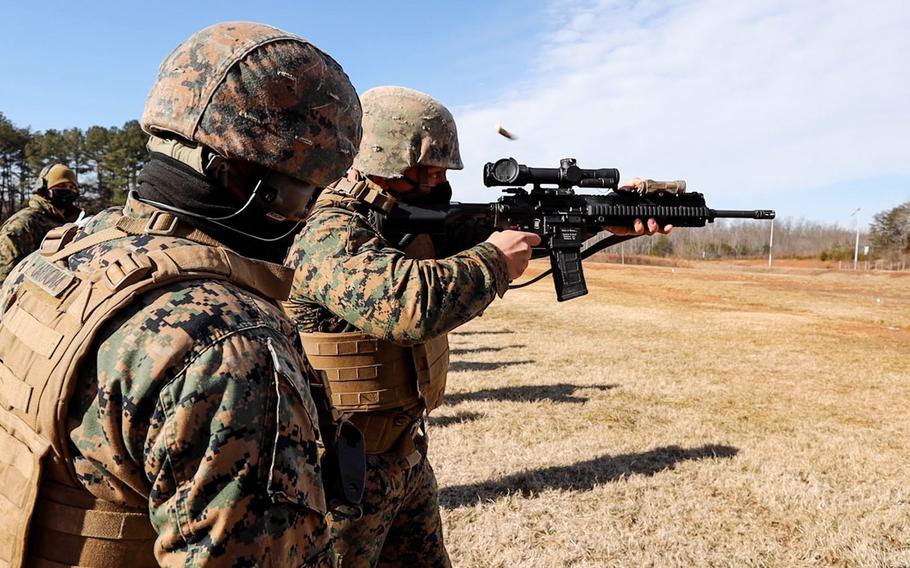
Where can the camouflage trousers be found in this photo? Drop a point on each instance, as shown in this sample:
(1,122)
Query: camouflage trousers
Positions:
(401,525)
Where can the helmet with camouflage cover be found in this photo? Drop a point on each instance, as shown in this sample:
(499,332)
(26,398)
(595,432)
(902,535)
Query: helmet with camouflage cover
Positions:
(403,128)
(255,93)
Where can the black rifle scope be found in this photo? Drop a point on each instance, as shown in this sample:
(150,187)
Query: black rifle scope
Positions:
(507,171)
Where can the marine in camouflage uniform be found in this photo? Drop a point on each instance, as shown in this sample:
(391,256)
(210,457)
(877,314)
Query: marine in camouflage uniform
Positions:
(191,429)
(49,207)
(374,318)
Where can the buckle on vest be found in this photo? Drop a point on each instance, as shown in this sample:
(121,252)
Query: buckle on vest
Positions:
(57,238)
(161,223)
(372,197)
(126,269)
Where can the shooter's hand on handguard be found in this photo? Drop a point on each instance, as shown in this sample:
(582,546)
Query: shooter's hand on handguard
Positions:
(638,227)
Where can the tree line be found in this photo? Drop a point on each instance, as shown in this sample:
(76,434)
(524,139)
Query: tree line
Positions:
(891,234)
(108,159)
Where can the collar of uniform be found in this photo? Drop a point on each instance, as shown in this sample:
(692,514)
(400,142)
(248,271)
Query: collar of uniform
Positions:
(45,206)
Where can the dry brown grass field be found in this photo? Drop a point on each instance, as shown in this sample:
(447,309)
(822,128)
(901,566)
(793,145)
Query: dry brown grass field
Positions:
(682,416)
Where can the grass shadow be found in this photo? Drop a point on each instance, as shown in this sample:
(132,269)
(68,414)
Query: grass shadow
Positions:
(561,392)
(493,332)
(456,366)
(465,351)
(458,418)
(582,476)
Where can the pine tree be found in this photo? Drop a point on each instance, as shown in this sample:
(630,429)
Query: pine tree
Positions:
(13,169)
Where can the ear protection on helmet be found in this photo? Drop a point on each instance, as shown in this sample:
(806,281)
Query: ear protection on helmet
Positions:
(41,183)
(272,195)
(277,195)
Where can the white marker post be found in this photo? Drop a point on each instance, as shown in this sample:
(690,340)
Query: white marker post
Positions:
(771,244)
(856,247)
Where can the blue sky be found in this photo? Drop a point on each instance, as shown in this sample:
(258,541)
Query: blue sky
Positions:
(101,58)
(785,104)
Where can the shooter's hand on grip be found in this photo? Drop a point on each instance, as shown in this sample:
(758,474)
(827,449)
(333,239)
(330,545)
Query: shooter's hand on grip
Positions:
(515,247)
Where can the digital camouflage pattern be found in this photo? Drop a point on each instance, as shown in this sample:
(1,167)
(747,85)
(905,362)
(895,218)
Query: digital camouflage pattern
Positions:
(401,525)
(404,128)
(22,233)
(256,93)
(195,404)
(348,278)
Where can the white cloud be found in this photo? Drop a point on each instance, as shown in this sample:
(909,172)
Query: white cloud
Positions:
(746,100)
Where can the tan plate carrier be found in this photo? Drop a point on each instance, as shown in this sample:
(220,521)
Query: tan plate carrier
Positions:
(385,386)
(48,327)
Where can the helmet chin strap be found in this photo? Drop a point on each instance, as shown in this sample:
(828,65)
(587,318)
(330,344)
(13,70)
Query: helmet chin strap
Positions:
(416,189)
(422,185)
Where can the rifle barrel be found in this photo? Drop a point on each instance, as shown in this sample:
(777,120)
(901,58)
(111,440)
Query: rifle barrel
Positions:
(741,214)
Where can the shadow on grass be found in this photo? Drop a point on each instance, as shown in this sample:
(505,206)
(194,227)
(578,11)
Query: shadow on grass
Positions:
(458,418)
(456,366)
(493,332)
(483,349)
(561,392)
(582,476)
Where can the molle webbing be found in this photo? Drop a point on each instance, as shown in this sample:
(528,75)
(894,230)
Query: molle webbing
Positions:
(386,386)
(72,528)
(56,313)
(20,467)
(364,373)
(48,327)
(431,362)
(363,191)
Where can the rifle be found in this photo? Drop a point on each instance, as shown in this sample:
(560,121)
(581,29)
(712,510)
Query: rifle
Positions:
(566,221)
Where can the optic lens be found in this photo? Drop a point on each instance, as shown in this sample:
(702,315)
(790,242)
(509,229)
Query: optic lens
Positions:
(505,170)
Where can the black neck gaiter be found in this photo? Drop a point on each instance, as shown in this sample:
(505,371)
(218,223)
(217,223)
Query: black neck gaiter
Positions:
(171,182)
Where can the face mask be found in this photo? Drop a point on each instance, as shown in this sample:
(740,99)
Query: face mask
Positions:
(421,193)
(62,198)
(437,195)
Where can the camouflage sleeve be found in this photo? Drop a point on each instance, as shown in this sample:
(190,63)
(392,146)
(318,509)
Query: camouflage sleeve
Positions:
(344,265)
(226,450)
(16,241)
(233,461)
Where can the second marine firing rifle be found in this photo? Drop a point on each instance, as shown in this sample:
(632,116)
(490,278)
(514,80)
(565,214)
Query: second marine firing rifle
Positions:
(564,219)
